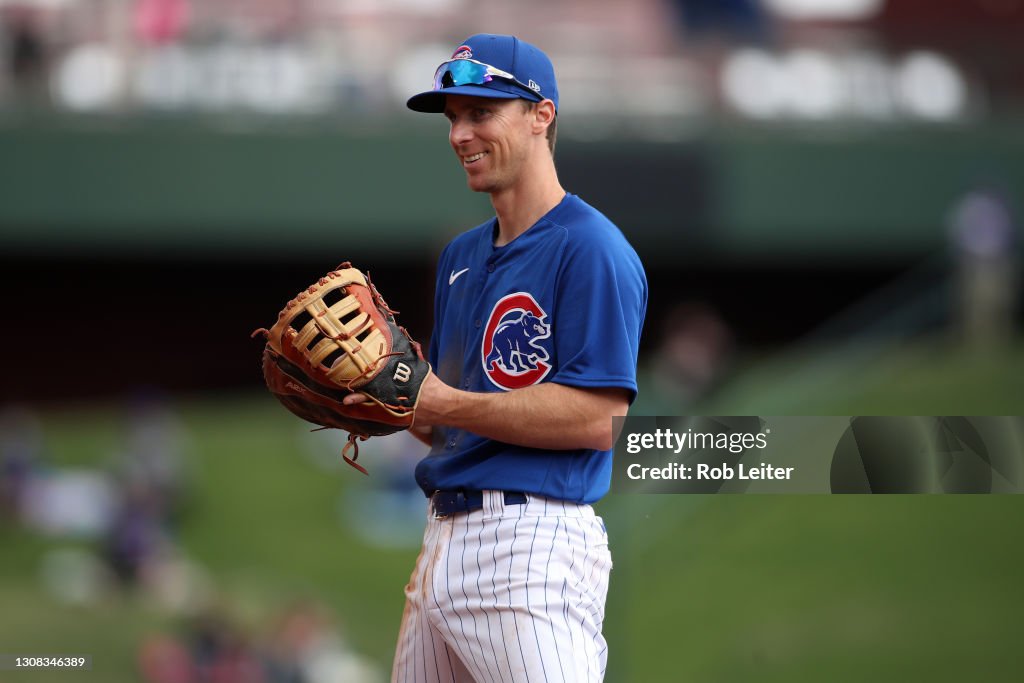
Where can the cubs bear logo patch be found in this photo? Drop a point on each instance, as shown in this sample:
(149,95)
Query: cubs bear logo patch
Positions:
(511,352)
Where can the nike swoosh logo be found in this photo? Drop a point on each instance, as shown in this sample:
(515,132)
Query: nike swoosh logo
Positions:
(455,276)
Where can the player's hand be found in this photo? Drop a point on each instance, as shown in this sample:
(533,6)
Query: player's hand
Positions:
(434,394)
(354,399)
(428,390)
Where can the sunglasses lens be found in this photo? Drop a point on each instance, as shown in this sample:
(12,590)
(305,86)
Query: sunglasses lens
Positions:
(460,72)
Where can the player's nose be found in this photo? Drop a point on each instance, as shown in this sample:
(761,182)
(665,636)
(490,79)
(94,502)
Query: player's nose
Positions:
(461,132)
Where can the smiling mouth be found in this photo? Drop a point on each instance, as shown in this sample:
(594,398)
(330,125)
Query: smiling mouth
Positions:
(472,158)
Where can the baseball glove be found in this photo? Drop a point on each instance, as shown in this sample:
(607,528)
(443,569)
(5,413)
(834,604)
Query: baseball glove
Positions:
(338,337)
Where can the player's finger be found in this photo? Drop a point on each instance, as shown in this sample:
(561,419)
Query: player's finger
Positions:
(353,399)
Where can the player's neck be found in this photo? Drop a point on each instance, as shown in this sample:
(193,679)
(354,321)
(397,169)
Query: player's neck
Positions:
(520,206)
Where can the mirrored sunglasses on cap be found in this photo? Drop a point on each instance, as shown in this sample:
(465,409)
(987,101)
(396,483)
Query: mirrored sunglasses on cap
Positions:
(456,72)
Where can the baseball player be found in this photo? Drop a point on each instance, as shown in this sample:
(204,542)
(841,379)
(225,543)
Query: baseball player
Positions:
(538,313)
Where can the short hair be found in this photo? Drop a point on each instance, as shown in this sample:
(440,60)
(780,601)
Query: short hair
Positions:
(552,132)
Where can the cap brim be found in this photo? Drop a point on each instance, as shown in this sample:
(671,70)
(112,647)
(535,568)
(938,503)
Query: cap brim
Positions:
(432,101)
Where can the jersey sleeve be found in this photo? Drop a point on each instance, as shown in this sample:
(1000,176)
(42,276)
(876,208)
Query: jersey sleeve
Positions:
(600,304)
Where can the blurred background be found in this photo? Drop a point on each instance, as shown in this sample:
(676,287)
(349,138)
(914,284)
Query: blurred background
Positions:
(827,196)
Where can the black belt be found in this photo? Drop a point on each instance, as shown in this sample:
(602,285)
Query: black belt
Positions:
(445,503)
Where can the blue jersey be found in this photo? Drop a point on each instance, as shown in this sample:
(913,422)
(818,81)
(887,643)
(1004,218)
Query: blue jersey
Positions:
(564,302)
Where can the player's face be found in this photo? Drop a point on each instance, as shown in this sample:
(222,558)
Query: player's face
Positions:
(491,138)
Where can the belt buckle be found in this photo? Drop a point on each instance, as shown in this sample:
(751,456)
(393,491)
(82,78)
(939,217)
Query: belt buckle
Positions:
(433,507)
(445,515)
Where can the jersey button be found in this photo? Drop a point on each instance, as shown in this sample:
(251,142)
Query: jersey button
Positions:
(477,323)
(451,444)
(490,267)
(465,385)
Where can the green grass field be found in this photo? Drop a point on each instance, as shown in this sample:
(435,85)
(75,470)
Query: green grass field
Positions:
(705,588)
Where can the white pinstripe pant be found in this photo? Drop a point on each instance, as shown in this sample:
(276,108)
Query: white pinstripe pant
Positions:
(507,595)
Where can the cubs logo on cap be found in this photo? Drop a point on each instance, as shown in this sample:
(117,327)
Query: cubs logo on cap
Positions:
(511,351)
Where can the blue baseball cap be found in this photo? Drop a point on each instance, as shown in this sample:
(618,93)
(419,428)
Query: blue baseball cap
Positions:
(488,65)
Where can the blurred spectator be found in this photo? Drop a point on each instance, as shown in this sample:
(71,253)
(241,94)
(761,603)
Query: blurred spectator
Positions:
(163,659)
(306,646)
(151,484)
(153,460)
(26,54)
(161,21)
(221,652)
(695,348)
(984,238)
(21,458)
(743,20)
(136,535)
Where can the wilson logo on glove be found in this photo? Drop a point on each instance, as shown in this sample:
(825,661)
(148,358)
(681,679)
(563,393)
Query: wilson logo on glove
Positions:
(402,373)
(336,338)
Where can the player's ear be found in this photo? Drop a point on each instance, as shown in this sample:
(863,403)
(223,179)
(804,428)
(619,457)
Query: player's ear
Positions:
(543,116)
